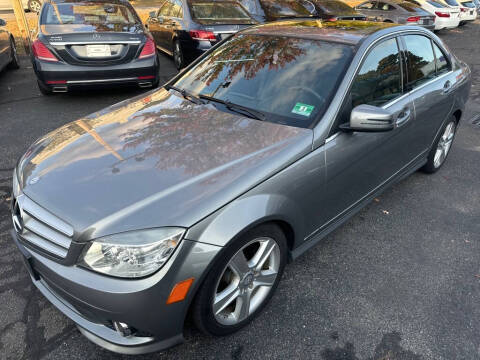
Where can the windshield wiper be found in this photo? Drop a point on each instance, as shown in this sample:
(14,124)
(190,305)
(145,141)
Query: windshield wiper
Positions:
(254,114)
(186,95)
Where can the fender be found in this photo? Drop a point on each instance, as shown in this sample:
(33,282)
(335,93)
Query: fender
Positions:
(229,222)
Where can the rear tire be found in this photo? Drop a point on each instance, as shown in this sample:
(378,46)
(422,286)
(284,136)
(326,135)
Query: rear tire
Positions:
(441,147)
(43,89)
(239,285)
(178,57)
(14,63)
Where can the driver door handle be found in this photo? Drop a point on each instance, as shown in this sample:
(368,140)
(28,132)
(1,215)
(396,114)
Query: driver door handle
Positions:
(447,86)
(404,116)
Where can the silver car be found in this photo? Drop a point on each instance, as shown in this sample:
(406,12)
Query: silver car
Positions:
(193,197)
(397,11)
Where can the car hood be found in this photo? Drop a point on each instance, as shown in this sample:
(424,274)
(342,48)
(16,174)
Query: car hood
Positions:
(155,160)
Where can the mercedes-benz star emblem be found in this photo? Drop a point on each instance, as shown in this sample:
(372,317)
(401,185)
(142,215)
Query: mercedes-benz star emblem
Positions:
(17,217)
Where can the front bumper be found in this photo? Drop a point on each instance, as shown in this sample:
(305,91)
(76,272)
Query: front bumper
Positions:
(58,74)
(94,301)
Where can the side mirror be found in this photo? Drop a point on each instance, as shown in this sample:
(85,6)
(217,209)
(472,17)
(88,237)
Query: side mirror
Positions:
(3,22)
(368,118)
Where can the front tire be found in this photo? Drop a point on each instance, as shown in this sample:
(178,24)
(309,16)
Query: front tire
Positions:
(178,57)
(14,62)
(441,147)
(241,282)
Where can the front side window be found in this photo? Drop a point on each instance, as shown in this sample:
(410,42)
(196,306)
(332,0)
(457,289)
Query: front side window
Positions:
(290,80)
(442,64)
(421,61)
(379,79)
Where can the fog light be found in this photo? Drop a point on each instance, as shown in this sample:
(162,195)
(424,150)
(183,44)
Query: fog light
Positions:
(122,328)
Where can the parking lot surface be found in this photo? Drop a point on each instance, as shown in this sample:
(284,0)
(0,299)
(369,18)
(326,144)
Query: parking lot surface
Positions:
(401,280)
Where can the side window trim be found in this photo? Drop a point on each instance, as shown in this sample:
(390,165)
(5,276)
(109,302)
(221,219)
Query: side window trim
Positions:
(437,76)
(447,58)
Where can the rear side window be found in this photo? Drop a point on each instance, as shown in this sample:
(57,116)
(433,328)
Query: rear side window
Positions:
(367,6)
(177,10)
(379,79)
(166,9)
(443,65)
(421,61)
(452,2)
(385,7)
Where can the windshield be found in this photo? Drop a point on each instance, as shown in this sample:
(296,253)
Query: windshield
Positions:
(88,13)
(437,5)
(289,80)
(452,2)
(275,9)
(333,6)
(218,11)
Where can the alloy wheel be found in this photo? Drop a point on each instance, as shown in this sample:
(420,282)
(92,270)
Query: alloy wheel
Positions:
(35,6)
(246,281)
(444,144)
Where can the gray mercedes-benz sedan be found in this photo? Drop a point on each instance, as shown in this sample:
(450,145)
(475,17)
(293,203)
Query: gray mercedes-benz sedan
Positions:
(192,198)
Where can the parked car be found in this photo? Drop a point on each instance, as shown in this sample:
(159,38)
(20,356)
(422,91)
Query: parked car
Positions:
(192,198)
(185,29)
(92,43)
(470,10)
(32,5)
(464,11)
(445,17)
(397,11)
(477,5)
(8,49)
(336,10)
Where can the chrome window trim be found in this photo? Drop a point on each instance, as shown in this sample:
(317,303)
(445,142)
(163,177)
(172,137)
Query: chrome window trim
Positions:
(387,105)
(333,137)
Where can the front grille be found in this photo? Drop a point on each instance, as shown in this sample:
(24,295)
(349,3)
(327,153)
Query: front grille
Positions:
(41,228)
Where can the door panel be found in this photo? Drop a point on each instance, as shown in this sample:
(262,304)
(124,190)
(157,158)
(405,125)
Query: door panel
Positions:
(359,162)
(4,48)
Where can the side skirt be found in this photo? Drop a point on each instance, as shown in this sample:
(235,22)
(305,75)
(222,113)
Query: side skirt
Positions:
(349,213)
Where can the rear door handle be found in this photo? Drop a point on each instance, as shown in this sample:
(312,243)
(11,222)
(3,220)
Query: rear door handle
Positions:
(447,86)
(404,116)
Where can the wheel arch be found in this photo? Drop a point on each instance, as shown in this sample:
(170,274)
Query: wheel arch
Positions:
(240,216)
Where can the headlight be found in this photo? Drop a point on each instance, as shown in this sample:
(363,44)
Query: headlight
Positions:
(132,254)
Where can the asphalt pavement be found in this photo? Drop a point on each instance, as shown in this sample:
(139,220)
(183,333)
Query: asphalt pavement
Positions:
(400,281)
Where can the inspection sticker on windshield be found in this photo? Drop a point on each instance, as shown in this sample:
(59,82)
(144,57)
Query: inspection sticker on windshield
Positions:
(303,109)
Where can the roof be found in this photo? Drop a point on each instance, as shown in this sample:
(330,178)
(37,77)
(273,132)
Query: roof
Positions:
(343,31)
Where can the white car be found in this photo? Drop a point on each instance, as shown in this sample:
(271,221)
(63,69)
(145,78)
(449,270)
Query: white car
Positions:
(470,10)
(32,5)
(464,11)
(446,17)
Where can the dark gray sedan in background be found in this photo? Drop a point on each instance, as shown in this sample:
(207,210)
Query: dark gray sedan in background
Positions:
(397,11)
(193,198)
